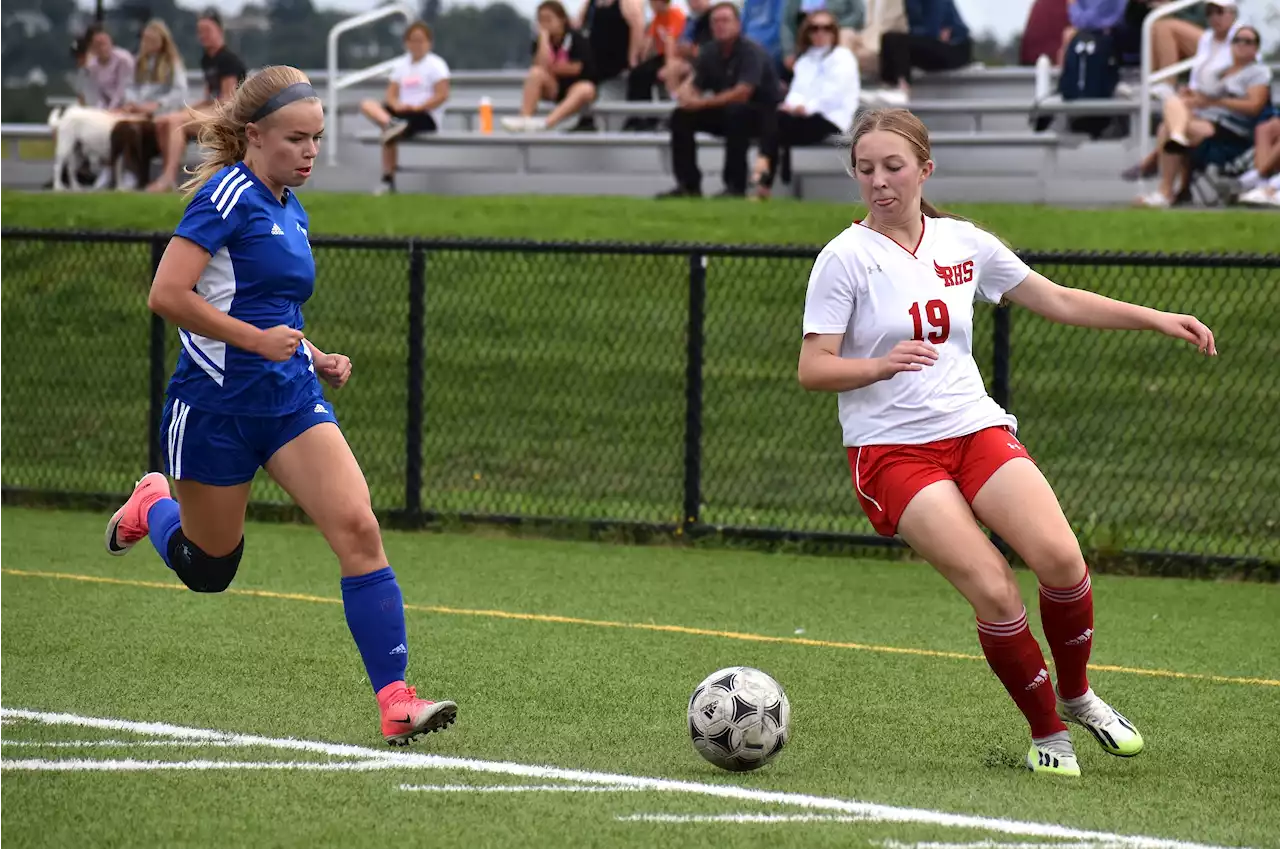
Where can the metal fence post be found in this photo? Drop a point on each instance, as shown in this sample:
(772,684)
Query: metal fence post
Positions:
(155,460)
(415,375)
(693,391)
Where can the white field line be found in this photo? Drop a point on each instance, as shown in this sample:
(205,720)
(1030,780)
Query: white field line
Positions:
(130,765)
(515,788)
(989,844)
(756,818)
(870,811)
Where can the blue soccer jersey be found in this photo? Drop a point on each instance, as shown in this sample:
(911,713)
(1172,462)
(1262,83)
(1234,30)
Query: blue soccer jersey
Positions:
(260,271)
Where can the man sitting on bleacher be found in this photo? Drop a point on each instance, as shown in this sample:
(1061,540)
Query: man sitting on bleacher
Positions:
(734,93)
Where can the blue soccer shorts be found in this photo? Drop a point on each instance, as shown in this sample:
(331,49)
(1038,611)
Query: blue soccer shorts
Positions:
(221,450)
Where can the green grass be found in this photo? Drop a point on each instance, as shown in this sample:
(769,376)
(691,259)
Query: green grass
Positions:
(554,384)
(907,730)
(628,219)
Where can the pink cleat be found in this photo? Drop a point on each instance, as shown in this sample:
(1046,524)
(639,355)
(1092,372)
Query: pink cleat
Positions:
(129,526)
(405,716)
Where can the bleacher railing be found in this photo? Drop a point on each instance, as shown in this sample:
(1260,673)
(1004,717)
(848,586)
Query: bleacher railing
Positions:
(337,81)
(653,388)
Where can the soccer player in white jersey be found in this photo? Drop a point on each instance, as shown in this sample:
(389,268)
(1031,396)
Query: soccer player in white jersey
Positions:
(888,324)
(245,392)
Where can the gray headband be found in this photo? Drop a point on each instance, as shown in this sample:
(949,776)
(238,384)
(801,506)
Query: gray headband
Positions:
(283,97)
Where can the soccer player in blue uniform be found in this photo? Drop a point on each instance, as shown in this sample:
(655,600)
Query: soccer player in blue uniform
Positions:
(246,390)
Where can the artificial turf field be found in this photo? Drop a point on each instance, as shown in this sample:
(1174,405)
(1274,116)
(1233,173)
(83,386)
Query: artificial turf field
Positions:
(137,714)
(567,657)
(554,384)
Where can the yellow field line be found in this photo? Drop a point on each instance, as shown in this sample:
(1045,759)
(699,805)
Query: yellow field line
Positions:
(640,626)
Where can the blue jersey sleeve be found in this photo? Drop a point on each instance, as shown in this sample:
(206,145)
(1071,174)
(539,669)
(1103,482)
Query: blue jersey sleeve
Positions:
(212,217)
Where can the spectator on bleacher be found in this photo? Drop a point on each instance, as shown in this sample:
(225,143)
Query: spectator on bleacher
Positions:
(1174,38)
(159,87)
(762,24)
(1214,124)
(1213,55)
(883,16)
(937,40)
(614,30)
(109,69)
(734,93)
(1043,34)
(1262,182)
(414,101)
(660,40)
(850,15)
(223,72)
(697,32)
(561,72)
(1098,16)
(821,101)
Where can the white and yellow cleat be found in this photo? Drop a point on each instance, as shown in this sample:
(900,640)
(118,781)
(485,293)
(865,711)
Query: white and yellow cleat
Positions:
(1115,734)
(1053,756)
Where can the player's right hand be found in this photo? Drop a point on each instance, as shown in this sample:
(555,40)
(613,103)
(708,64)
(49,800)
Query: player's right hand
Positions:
(279,343)
(908,355)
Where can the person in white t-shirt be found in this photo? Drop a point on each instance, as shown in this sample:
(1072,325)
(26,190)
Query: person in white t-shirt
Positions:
(888,324)
(415,98)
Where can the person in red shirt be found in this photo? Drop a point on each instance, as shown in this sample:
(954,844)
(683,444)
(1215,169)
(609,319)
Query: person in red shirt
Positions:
(660,37)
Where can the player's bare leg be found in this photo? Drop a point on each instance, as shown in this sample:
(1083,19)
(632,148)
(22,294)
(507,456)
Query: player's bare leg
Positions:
(939,526)
(1019,504)
(321,474)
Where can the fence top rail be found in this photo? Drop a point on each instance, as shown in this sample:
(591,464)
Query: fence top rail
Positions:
(409,243)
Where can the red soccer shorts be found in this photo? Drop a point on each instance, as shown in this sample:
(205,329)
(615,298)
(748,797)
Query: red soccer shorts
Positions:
(887,477)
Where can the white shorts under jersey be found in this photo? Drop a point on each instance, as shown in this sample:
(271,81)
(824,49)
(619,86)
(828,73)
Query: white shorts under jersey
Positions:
(877,293)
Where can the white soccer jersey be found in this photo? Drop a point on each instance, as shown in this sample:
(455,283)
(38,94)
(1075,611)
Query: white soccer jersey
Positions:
(877,293)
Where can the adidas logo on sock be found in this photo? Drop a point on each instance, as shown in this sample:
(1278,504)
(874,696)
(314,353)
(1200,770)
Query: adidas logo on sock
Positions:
(1041,677)
(400,649)
(1082,639)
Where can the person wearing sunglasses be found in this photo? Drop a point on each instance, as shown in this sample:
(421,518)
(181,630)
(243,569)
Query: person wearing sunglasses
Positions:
(821,100)
(1215,123)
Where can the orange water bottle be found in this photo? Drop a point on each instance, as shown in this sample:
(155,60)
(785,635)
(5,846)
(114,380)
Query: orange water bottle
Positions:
(486,115)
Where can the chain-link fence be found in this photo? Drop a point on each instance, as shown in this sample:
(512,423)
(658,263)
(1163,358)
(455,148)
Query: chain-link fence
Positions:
(655,386)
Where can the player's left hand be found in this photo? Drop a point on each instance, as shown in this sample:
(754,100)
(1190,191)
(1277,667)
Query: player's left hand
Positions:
(334,369)
(1188,328)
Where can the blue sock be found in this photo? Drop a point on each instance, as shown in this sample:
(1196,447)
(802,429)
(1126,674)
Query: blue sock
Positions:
(375,615)
(164,520)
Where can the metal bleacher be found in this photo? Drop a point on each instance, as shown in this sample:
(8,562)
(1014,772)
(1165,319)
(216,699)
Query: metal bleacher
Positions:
(980,120)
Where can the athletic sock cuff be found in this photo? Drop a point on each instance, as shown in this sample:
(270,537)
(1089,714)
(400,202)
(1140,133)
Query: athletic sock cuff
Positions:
(1066,595)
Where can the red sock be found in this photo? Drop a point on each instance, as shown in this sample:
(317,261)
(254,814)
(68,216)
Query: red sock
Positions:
(1067,616)
(1016,659)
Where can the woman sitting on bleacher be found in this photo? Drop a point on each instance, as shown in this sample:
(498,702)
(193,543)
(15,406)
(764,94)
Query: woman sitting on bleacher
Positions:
(1262,182)
(937,40)
(159,87)
(1215,124)
(821,100)
(562,72)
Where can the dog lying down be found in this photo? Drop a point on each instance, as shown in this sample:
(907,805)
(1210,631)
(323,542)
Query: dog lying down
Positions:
(84,139)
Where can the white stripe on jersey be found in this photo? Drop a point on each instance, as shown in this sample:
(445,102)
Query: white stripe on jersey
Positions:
(221,203)
(223,185)
(172,436)
(236,197)
(177,451)
(194,351)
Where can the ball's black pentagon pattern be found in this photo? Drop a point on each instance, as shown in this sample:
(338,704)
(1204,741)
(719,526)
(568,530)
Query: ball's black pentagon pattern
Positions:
(726,683)
(739,718)
(742,709)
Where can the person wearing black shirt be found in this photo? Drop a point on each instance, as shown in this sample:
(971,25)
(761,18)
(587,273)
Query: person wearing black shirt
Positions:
(562,72)
(223,72)
(734,93)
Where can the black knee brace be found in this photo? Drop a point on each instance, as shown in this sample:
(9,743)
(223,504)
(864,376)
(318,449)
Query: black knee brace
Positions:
(200,572)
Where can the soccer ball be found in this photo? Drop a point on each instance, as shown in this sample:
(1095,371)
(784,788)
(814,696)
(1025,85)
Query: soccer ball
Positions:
(739,718)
